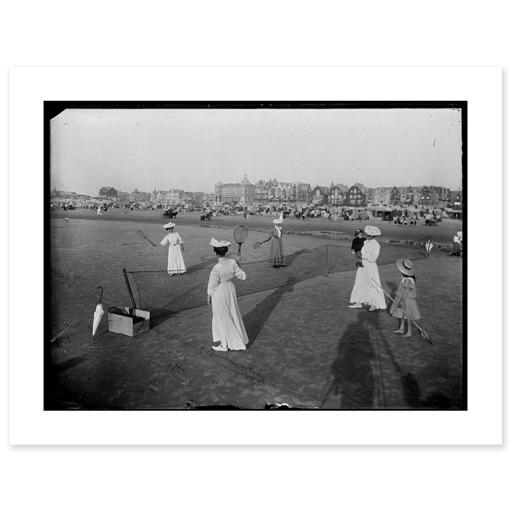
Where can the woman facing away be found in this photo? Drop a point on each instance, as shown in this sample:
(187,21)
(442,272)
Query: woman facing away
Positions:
(175,262)
(227,324)
(364,291)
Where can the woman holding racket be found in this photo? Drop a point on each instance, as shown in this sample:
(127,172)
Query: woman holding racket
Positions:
(175,262)
(227,324)
(276,258)
(405,307)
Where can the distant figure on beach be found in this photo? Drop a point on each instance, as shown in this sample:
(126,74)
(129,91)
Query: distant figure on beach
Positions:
(364,291)
(276,257)
(99,211)
(404,306)
(428,247)
(227,324)
(357,245)
(175,262)
(457,244)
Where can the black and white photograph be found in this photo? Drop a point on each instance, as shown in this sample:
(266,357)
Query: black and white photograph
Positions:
(255,256)
(255,261)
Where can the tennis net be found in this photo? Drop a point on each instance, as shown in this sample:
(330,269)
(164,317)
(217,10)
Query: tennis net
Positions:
(160,294)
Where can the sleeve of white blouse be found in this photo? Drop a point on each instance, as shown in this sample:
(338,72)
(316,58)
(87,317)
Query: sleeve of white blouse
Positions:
(372,252)
(164,242)
(213,282)
(180,241)
(239,273)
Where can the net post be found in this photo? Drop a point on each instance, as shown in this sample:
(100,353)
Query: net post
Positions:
(327,260)
(129,288)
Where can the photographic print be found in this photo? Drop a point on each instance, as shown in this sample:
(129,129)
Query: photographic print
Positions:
(255,255)
(219,261)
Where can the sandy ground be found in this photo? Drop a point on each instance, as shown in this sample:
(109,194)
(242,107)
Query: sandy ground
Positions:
(307,349)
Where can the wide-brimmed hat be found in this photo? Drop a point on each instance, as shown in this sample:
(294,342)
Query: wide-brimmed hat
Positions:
(459,234)
(169,225)
(279,220)
(405,266)
(217,243)
(372,230)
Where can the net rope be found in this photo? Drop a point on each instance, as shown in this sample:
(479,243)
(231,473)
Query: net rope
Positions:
(160,294)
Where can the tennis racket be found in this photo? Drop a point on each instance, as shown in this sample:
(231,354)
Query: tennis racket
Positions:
(240,235)
(143,235)
(256,245)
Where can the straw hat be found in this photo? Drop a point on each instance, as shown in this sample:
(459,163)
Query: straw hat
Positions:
(216,243)
(405,266)
(169,225)
(372,230)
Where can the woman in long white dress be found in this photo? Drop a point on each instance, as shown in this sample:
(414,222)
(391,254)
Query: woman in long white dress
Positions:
(365,291)
(227,324)
(175,262)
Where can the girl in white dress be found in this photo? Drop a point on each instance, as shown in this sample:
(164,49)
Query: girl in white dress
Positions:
(364,291)
(175,262)
(227,324)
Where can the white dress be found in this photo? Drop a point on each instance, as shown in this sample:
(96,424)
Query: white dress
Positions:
(227,324)
(175,262)
(365,291)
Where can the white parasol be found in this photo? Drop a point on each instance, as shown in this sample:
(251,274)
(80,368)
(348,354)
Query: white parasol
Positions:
(98,313)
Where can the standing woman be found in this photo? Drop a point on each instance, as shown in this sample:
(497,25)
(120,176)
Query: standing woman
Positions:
(227,324)
(370,253)
(364,291)
(175,262)
(276,257)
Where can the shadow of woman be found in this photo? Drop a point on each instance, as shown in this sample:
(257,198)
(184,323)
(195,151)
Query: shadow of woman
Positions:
(352,370)
(255,320)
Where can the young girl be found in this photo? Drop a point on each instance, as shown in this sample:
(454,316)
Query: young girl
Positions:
(405,299)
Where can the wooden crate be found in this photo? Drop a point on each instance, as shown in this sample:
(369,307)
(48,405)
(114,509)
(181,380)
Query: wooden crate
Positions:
(136,323)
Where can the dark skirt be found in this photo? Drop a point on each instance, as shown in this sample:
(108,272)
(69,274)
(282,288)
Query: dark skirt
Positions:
(276,253)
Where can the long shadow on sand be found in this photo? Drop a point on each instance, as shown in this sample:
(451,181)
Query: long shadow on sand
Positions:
(256,319)
(357,372)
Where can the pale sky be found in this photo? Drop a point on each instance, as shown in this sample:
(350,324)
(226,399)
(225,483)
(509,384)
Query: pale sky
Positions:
(192,149)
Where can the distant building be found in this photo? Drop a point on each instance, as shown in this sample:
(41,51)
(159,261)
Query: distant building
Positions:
(61,194)
(356,195)
(243,192)
(320,195)
(281,191)
(456,197)
(173,196)
(108,193)
(337,194)
(426,197)
(140,197)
